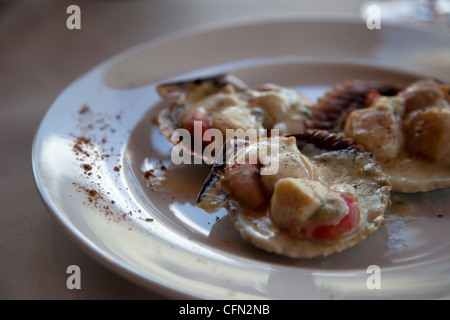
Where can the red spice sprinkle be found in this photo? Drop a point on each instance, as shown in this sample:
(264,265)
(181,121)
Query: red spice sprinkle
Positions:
(84,109)
(149,173)
(79,142)
(83,140)
(84,147)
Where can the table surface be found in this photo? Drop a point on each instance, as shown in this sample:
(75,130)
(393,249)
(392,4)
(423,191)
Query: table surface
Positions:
(39,57)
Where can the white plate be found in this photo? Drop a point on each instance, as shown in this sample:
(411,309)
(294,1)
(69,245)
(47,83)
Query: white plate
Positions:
(154,235)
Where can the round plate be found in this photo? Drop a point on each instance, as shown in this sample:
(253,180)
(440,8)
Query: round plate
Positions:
(105,172)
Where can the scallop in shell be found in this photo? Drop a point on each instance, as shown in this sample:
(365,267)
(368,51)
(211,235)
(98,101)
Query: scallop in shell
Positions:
(325,195)
(227,104)
(408,132)
(331,110)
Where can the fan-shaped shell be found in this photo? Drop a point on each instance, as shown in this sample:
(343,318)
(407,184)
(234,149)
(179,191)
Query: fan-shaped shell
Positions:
(338,160)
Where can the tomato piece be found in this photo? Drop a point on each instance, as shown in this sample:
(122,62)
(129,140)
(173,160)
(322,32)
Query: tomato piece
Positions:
(330,232)
(371,96)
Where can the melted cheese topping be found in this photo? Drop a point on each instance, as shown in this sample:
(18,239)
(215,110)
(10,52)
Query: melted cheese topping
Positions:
(272,107)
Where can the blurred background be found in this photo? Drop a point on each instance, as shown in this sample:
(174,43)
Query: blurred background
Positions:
(40,56)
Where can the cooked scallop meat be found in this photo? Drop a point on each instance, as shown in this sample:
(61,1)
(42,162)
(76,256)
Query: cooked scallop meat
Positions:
(331,110)
(307,195)
(408,132)
(225,103)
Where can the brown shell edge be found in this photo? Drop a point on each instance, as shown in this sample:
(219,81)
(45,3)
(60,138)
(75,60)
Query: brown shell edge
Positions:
(333,108)
(167,126)
(176,89)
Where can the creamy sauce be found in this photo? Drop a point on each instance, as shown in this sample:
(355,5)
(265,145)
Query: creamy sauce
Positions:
(270,107)
(336,169)
(409,134)
(409,173)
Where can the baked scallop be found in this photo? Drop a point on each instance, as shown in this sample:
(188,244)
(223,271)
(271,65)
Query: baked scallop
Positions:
(408,132)
(302,196)
(227,105)
(332,109)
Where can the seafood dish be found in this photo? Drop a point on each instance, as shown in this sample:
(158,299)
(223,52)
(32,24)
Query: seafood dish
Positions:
(407,129)
(225,103)
(322,182)
(326,194)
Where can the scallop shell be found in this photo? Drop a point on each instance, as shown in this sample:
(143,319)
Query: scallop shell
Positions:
(332,109)
(340,161)
(408,173)
(179,91)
